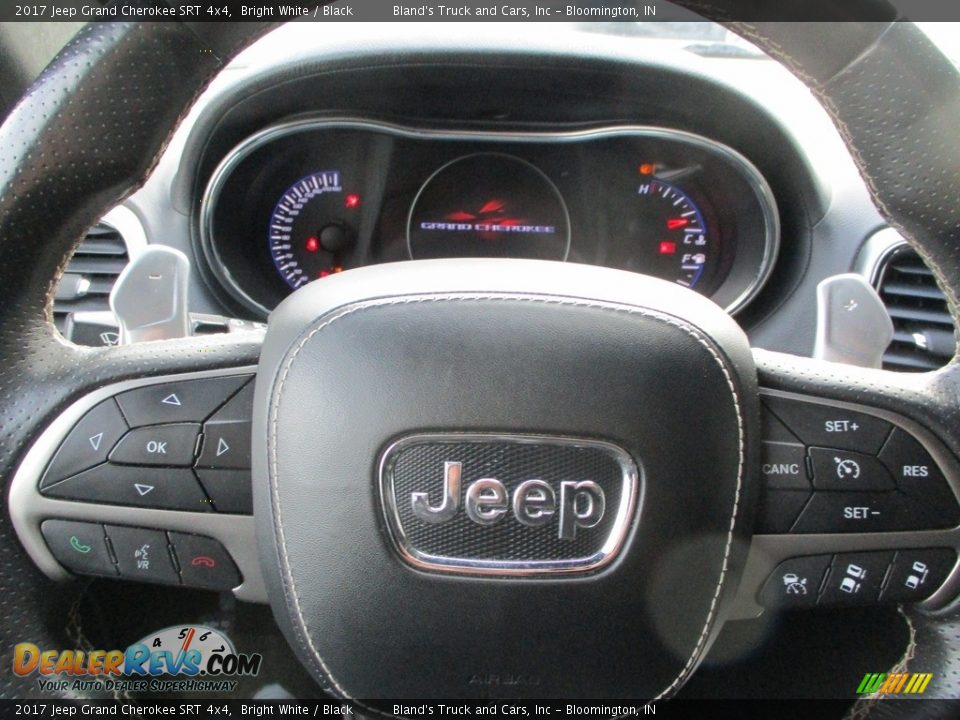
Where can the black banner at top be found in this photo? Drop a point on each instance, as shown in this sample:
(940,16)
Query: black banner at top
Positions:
(479,10)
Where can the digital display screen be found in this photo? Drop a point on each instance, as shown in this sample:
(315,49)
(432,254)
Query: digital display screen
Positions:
(488,205)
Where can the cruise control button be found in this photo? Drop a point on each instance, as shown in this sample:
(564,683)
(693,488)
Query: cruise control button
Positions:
(165,488)
(773,430)
(795,582)
(779,509)
(169,445)
(79,546)
(88,444)
(917,574)
(855,578)
(142,554)
(829,426)
(184,401)
(783,466)
(830,511)
(845,470)
(230,490)
(841,512)
(919,477)
(204,562)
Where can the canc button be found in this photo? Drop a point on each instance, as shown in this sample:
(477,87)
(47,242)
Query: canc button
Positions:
(784,466)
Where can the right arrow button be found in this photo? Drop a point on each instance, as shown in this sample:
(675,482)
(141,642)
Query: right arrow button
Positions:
(226,436)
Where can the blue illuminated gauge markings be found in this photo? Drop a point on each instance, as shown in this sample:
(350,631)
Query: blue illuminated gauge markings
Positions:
(675,226)
(309,226)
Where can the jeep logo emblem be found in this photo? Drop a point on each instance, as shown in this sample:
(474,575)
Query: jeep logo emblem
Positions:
(534,503)
(507,504)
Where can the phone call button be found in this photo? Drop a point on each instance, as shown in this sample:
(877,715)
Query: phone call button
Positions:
(79,546)
(204,562)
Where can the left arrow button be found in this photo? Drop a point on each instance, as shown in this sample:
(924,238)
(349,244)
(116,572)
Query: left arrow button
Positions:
(88,444)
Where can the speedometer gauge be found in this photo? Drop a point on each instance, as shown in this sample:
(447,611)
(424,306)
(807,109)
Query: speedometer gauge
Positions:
(311,227)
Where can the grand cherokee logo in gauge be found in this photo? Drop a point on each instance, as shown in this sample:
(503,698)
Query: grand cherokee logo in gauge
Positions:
(312,227)
(488,205)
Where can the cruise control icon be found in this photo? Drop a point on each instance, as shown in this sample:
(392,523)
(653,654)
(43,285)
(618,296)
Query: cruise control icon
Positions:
(847,469)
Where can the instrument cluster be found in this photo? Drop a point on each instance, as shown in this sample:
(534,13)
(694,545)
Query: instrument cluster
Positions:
(303,200)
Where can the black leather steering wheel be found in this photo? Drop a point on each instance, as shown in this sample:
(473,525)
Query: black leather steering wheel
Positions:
(64,161)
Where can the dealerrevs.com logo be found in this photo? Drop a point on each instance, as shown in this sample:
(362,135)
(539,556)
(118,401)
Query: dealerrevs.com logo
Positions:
(199,659)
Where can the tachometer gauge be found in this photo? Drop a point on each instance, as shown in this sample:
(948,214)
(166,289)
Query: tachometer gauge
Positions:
(670,234)
(311,227)
(489,205)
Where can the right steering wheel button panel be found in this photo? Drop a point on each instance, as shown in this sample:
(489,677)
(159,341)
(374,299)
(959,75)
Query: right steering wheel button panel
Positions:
(867,475)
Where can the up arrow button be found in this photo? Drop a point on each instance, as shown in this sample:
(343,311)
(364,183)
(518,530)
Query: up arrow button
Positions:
(186,401)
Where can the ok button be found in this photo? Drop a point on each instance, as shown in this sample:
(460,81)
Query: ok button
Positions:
(169,445)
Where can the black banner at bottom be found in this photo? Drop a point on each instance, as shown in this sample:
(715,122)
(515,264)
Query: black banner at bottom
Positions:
(785,709)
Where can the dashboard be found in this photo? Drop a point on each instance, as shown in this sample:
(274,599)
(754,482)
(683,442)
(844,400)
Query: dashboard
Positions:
(715,173)
(302,200)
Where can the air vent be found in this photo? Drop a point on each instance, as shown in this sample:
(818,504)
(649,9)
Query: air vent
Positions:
(923,337)
(91,273)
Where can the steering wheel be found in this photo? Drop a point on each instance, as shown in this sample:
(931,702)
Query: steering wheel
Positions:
(640,484)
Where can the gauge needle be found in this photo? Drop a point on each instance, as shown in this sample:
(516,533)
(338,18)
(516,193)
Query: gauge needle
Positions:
(185,646)
(676,174)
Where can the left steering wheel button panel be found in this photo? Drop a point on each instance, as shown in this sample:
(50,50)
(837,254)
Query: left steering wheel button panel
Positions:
(88,444)
(150,487)
(165,445)
(177,402)
(79,546)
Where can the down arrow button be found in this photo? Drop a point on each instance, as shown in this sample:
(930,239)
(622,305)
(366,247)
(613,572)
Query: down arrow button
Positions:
(226,435)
